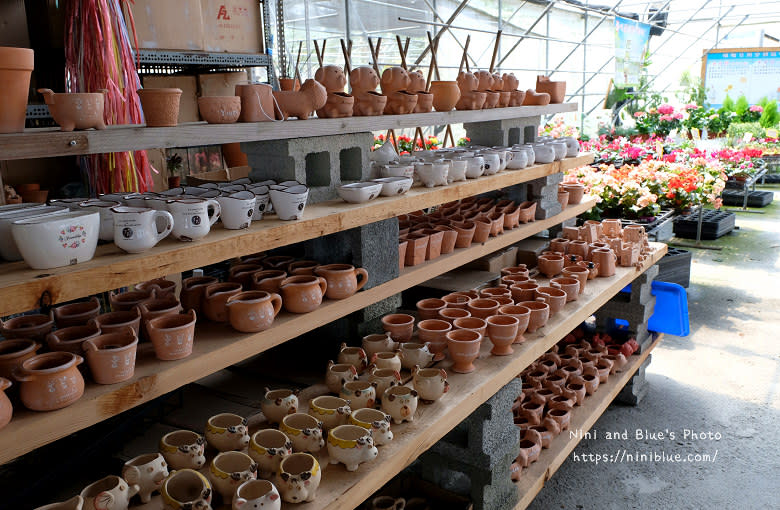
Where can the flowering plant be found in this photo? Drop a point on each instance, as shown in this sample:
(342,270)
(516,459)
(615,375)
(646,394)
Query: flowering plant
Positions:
(405,143)
(557,128)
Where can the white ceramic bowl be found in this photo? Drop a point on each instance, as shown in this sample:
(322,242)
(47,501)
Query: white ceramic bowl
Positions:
(392,186)
(8,249)
(359,192)
(396,170)
(289,203)
(57,240)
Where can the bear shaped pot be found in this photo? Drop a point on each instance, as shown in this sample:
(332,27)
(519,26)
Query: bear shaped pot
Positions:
(470,97)
(368,101)
(395,84)
(339,104)
(417,86)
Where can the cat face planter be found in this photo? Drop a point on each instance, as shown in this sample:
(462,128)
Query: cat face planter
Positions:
(227,432)
(298,478)
(351,445)
(147,472)
(183,449)
(276,404)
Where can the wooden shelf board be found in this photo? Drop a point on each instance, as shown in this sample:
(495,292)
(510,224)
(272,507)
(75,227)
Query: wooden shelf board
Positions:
(583,418)
(21,288)
(50,142)
(341,489)
(218,346)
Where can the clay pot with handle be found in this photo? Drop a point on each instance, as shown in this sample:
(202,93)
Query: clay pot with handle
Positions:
(111,357)
(192,291)
(6,408)
(76,314)
(343,280)
(252,311)
(50,381)
(302,294)
(605,259)
(215,298)
(35,326)
(76,110)
(14,352)
(173,335)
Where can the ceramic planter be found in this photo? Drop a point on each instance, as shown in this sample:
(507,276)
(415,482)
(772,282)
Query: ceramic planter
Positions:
(302,267)
(253,310)
(331,411)
(482,307)
(289,202)
(301,103)
(59,240)
(147,472)
(114,321)
(389,360)
(470,97)
(219,109)
(424,102)
(466,231)
(257,494)
(268,280)
(172,335)
(257,102)
(76,110)
(415,354)
(50,381)
(429,308)
(237,209)
(338,374)
(399,325)
(571,286)
(445,95)
(157,307)
(351,445)
(193,217)
(464,347)
(13,353)
(359,192)
(160,106)
(354,356)
(35,326)
(554,297)
(112,492)
(416,249)
(605,259)
(136,230)
(430,383)
(302,294)
(304,432)
(373,344)
(364,82)
(432,174)
(16,65)
(129,300)
(215,299)
(183,449)
(230,469)
(451,314)
(193,290)
(502,331)
(111,356)
(550,265)
(434,333)
(343,280)
(76,314)
(400,402)
(298,478)
(186,489)
(385,378)
(555,89)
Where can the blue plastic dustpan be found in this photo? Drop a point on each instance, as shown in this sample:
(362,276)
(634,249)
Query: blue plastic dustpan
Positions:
(671,309)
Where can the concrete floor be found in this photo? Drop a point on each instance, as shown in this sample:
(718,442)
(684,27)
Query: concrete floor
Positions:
(723,379)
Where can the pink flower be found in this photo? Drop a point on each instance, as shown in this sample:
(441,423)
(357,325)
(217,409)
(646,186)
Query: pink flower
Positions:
(666,109)
(756,108)
(678,116)
(691,106)
(666,117)
(639,115)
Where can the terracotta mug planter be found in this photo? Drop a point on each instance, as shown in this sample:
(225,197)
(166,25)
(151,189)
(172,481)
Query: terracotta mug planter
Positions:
(513,279)
(70,339)
(550,265)
(242,273)
(76,110)
(554,297)
(578,272)
(160,106)
(399,325)
(215,299)
(523,316)
(76,314)
(593,268)
(129,300)
(50,381)
(540,313)
(268,280)
(252,311)
(15,352)
(113,321)
(524,291)
(343,280)
(35,326)
(457,300)
(571,286)
(502,331)
(606,259)
(577,247)
(463,345)
(445,95)
(157,308)
(16,65)
(429,308)
(302,294)
(193,290)
(173,335)
(111,357)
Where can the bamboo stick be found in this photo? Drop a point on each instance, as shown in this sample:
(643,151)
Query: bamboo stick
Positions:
(347,63)
(495,51)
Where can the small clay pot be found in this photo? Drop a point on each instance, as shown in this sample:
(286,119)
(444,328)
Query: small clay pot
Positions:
(450,314)
(561,416)
(524,291)
(242,273)
(560,402)
(502,331)
(112,321)
(471,323)
(494,292)
(173,335)
(76,110)
(523,316)
(575,391)
(483,307)
(278,262)
(160,106)
(571,286)
(576,192)
(555,89)
(463,345)
(605,258)
(6,407)
(76,314)
(35,327)
(520,270)
(252,311)
(302,268)
(354,356)
(343,280)
(540,313)
(128,300)
(302,294)
(429,308)
(457,300)
(163,287)
(559,244)
(219,109)
(268,280)
(424,102)
(215,299)
(14,352)
(193,290)
(563,198)
(50,381)
(592,267)
(402,246)
(111,357)
(483,228)
(618,362)
(399,325)
(445,95)
(157,308)
(533,98)
(550,265)
(70,339)
(533,410)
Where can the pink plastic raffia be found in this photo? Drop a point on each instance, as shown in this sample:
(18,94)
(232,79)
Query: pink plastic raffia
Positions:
(98,56)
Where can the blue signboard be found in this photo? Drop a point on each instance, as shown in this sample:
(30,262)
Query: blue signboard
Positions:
(752,72)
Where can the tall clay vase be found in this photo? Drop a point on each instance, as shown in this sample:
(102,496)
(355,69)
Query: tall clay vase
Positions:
(6,408)
(445,95)
(16,65)
(161,106)
(257,102)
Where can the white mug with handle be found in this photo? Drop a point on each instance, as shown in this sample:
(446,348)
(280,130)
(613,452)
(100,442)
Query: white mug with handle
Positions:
(191,218)
(136,229)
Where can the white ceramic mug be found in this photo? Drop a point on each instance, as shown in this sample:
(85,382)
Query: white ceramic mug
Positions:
(237,209)
(475,166)
(136,230)
(492,162)
(106,216)
(191,218)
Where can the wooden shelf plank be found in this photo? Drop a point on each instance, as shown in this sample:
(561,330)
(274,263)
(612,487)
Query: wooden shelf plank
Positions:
(50,142)
(218,346)
(341,489)
(21,288)
(583,418)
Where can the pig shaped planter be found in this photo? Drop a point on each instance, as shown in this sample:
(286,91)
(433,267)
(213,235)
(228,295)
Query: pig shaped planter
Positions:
(257,494)
(298,478)
(227,432)
(374,420)
(351,445)
(339,104)
(304,431)
(147,472)
(368,101)
(183,449)
(470,97)
(228,470)
(485,85)
(276,404)
(400,402)
(186,489)
(110,493)
(395,84)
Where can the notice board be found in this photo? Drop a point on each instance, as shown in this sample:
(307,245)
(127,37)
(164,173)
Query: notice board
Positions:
(754,72)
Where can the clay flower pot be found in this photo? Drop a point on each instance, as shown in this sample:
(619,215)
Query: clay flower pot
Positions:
(76,314)
(540,313)
(257,102)
(76,110)
(470,97)
(434,333)
(550,265)
(16,65)
(399,325)
(6,407)
(429,308)
(502,331)
(471,323)
(522,314)
(483,228)
(302,294)
(450,314)
(402,254)
(416,249)
(50,381)
(483,307)
(364,82)
(70,339)
(157,308)
(554,297)
(555,89)
(252,311)
(343,280)
(129,300)
(466,231)
(576,192)
(605,259)
(298,478)
(15,352)
(111,357)
(219,109)
(192,291)
(463,345)
(445,95)
(494,292)
(268,280)
(215,300)
(424,102)
(242,273)
(173,335)
(533,98)
(457,300)
(230,469)
(563,198)
(113,321)
(291,84)
(160,106)
(35,326)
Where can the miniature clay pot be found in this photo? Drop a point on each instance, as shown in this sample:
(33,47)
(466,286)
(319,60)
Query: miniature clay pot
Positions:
(520,270)
(492,97)
(359,394)
(304,432)
(354,356)
(6,408)
(559,244)
(384,378)
(494,292)
(128,300)
(16,66)
(215,298)
(337,374)
(399,325)
(183,449)
(555,89)
(351,445)
(257,102)
(373,344)
(471,323)
(50,381)
(70,339)
(400,402)
(540,313)
(417,249)
(415,354)
(429,308)
(606,259)
(464,348)
(160,106)
(502,331)
(302,268)
(111,492)
(76,110)
(466,231)
(157,307)
(470,97)
(192,291)
(576,192)
(257,494)
(457,300)
(561,416)
(402,246)
(301,103)
(482,231)
(593,268)
(391,360)
(430,383)
(173,335)
(111,356)
(147,472)
(252,311)
(242,273)
(219,109)
(76,314)
(434,333)
(523,316)
(298,478)
(35,327)
(302,294)
(604,367)
(343,280)
(524,291)
(533,98)
(424,102)
(331,411)
(277,262)
(445,95)
(114,321)
(483,308)
(15,352)
(227,432)
(228,470)
(185,489)
(618,362)
(268,280)
(571,286)
(550,265)
(450,314)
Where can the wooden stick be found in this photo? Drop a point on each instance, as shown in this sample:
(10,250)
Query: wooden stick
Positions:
(347,63)
(317,51)
(298,58)
(430,75)
(418,131)
(373,55)
(448,132)
(401,51)
(465,58)
(495,51)
(390,136)
(433,46)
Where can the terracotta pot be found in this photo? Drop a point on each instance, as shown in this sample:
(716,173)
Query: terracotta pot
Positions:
(550,265)
(278,262)
(399,325)
(268,280)
(482,307)
(554,297)
(555,89)
(160,106)
(515,270)
(302,268)
(302,294)
(257,102)
(424,102)
(417,249)
(483,228)
(76,314)
(113,321)
(16,65)
(578,272)
(76,110)
(173,335)
(291,84)
(111,357)
(571,286)
(494,292)
(402,246)
(540,313)
(343,280)
(523,316)
(215,299)
(450,314)
(14,352)
(301,103)
(457,300)
(466,231)
(50,381)
(492,98)
(429,308)
(157,308)
(193,290)
(6,407)
(524,291)
(252,311)
(242,273)
(129,300)
(464,347)
(576,192)
(219,109)
(559,245)
(471,323)
(445,95)
(434,333)
(70,339)
(502,331)
(435,240)
(35,326)
(563,198)
(605,258)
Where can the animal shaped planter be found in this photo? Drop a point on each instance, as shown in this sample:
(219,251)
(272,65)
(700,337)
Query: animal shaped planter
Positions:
(556,89)
(368,101)
(257,494)
(533,98)
(76,111)
(183,449)
(276,404)
(298,478)
(268,447)
(147,473)
(338,104)
(110,493)
(304,432)
(227,432)
(351,445)
(430,383)
(417,86)
(400,402)
(228,470)
(374,420)
(186,489)
(485,80)
(301,103)
(511,82)
(395,84)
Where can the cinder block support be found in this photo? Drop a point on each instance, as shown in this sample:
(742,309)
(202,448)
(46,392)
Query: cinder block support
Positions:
(545,191)
(636,307)
(506,132)
(320,162)
(637,387)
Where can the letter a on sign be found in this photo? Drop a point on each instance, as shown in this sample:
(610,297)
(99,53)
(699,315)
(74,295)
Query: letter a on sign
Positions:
(222,14)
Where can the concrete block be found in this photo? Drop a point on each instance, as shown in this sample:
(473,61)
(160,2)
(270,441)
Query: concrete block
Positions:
(504,132)
(637,387)
(546,209)
(636,315)
(320,162)
(545,186)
